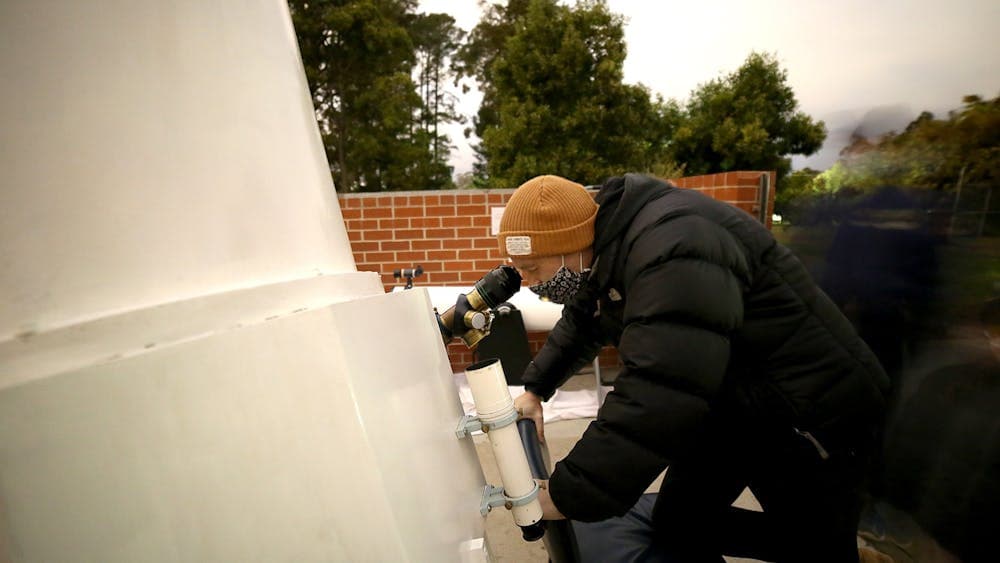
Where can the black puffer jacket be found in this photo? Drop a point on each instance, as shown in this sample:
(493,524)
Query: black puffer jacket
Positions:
(708,312)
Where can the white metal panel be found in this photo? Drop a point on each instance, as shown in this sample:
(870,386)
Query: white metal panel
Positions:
(305,438)
(153,151)
(192,367)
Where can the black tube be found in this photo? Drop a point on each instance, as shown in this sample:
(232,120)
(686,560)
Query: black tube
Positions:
(560,541)
(498,285)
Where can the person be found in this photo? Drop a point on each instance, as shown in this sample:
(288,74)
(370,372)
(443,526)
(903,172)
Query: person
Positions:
(738,371)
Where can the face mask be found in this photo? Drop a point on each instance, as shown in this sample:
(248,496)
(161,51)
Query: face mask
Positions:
(562,286)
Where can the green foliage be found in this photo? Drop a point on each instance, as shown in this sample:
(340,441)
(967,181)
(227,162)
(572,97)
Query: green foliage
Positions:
(796,185)
(746,120)
(554,101)
(359,56)
(437,39)
(929,153)
(475,59)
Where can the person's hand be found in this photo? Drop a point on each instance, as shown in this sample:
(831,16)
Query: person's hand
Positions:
(529,405)
(549,510)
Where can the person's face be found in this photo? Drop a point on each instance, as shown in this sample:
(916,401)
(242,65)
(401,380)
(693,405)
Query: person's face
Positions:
(537,269)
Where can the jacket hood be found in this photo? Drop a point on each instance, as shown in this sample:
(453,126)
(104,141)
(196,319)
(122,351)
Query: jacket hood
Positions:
(620,199)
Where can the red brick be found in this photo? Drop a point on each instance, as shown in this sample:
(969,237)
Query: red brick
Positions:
(485,243)
(355,236)
(473,254)
(463,199)
(472,210)
(350,213)
(472,232)
(746,194)
(469,277)
(441,211)
(441,254)
(429,244)
(726,194)
(443,277)
(425,222)
(395,245)
(377,235)
(447,199)
(457,243)
(393,223)
(365,246)
(376,257)
(482,221)
(412,256)
(486,265)
(429,200)
(362,224)
(384,201)
(410,212)
(376,212)
(462,265)
(456,221)
(369,201)
(440,233)
(351,202)
(409,234)
(497,198)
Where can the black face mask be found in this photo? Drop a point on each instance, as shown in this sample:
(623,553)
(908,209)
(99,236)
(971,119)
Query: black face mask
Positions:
(562,286)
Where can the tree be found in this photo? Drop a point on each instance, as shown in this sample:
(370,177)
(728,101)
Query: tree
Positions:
(746,120)
(798,184)
(554,101)
(929,153)
(359,56)
(475,59)
(437,39)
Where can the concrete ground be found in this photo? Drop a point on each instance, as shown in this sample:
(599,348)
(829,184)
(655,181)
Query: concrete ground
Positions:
(507,546)
(503,535)
(505,540)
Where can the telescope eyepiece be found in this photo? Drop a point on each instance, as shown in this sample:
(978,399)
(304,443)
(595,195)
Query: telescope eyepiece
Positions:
(498,285)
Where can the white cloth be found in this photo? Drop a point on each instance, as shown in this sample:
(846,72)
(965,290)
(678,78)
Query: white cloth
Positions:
(564,405)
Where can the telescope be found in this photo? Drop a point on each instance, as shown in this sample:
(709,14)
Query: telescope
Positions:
(469,319)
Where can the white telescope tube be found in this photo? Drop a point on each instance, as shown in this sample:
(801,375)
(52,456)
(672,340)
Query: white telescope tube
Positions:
(494,404)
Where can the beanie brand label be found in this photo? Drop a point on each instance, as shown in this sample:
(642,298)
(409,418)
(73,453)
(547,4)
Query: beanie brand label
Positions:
(519,246)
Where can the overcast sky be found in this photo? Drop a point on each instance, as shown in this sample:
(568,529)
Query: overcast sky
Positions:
(880,62)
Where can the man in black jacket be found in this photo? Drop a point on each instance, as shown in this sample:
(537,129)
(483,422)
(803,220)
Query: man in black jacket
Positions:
(738,371)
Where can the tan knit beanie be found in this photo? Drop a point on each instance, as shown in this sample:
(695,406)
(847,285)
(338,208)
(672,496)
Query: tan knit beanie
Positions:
(547,216)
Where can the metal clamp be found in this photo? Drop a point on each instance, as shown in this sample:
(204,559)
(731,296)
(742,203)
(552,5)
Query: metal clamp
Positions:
(494,496)
(469,423)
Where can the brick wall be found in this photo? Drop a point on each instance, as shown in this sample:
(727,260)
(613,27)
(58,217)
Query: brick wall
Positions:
(448,234)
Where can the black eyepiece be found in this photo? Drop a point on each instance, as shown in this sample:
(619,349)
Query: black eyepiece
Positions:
(498,285)
(533,532)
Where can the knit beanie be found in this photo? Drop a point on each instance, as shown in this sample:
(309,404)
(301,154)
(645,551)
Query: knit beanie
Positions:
(547,216)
